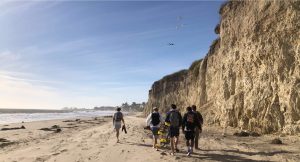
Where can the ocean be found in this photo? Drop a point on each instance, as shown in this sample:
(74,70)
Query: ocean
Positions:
(18,115)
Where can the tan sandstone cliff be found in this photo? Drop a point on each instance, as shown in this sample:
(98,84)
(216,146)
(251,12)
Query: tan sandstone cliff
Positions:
(251,75)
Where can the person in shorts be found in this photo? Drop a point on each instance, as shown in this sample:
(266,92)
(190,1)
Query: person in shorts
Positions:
(174,118)
(197,130)
(117,122)
(154,120)
(189,123)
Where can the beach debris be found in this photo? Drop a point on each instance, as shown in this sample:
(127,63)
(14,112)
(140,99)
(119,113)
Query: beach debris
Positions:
(14,128)
(246,134)
(77,119)
(254,134)
(68,121)
(217,139)
(4,142)
(241,134)
(54,128)
(58,130)
(276,141)
(46,129)
(163,153)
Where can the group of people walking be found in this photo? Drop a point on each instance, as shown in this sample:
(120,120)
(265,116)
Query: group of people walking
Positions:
(191,125)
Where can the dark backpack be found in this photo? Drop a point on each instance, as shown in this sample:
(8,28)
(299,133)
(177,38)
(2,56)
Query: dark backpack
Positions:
(155,119)
(190,117)
(118,116)
(174,118)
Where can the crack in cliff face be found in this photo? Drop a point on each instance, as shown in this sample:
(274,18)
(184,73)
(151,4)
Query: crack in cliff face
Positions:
(251,74)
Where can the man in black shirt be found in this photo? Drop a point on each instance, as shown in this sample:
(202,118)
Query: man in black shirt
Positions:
(189,123)
(175,119)
(198,130)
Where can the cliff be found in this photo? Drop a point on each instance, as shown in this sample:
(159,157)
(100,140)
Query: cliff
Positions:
(251,74)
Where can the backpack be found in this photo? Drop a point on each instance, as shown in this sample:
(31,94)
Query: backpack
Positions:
(190,117)
(155,119)
(174,119)
(118,116)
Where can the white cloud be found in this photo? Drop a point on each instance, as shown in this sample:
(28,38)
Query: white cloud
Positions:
(18,92)
(15,6)
(22,94)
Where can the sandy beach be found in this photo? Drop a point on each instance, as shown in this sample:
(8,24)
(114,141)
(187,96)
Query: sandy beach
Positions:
(94,140)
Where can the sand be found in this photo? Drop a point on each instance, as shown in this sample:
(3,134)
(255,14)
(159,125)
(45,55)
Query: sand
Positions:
(93,140)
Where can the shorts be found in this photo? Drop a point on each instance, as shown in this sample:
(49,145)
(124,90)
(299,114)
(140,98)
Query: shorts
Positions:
(174,131)
(189,135)
(117,125)
(155,130)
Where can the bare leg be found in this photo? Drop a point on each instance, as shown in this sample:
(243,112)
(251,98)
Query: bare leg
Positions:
(118,132)
(188,147)
(188,144)
(176,142)
(192,144)
(154,141)
(172,144)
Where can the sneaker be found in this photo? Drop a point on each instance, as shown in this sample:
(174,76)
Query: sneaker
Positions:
(188,154)
(172,153)
(177,150)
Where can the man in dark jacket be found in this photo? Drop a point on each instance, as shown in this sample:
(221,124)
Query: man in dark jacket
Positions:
(175,119)
(198,130)
(189,123)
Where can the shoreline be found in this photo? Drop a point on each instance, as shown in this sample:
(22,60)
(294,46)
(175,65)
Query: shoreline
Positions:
(10,118)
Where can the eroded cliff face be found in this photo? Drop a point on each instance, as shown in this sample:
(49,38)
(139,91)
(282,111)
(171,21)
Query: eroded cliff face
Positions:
(251,75)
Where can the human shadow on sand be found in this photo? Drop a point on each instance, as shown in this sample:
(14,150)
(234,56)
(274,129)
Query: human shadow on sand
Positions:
(139,144)
(222,157)
(208,155)
(253,153)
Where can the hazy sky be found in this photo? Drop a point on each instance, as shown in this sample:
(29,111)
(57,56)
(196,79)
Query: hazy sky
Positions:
(86,54)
